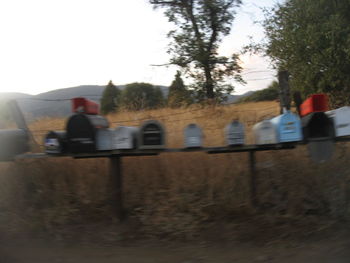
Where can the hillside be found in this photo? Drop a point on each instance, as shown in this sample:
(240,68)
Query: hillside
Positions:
(56,103)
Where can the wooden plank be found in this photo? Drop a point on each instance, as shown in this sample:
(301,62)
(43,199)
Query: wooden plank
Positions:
(249,148)
(210,150)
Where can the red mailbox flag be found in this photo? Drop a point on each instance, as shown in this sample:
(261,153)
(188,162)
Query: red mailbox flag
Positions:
(82,105)
(315,103)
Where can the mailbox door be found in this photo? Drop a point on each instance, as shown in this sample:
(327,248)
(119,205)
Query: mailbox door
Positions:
(342,121)
(81,134)
(126,137)
(193,136)
(104,140)
(290,128)
(234,134)
(152,136)
(317,125)
(55,142)
(265,133)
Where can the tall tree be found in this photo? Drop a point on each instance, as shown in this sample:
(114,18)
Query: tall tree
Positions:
(311,39)
(178,94)
(200,27)
(139,96)
(110,98)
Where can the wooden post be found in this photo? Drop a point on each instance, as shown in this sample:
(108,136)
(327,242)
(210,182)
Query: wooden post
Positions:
(297,100)
(116,186)
(252,169)
(283,77)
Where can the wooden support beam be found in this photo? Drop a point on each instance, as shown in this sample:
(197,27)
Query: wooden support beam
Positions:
(116,186)
(283,78)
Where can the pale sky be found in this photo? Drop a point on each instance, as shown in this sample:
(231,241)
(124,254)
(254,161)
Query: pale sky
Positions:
(54,44)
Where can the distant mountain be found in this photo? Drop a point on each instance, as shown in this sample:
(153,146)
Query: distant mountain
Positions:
(56,103)
(12,95)
(234,98)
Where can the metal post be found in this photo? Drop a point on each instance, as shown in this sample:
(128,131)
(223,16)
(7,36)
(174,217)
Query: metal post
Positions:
(252,168)
(116,186)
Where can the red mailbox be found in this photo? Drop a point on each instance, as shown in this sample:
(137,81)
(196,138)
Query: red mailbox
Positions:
(315,103)
(82,105)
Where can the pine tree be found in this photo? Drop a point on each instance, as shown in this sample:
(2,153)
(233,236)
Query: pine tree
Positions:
(178,94)
(110,98)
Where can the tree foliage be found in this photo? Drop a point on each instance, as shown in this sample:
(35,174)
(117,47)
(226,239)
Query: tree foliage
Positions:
(268,94)
(139,96)
(110,98)
(200,26)
(179,95)
(311,39)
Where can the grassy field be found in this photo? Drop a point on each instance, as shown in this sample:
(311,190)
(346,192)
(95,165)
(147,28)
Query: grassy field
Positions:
(177,195)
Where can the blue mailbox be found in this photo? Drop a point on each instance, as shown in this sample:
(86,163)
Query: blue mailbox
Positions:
(288,127)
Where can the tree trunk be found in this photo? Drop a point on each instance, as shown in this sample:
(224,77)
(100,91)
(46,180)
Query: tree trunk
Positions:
(209,87)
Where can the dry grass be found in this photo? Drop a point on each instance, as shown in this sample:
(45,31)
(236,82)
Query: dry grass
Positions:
(211,119)
(177,194)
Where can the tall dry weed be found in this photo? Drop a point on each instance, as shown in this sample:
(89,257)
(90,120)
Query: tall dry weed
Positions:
(174,194)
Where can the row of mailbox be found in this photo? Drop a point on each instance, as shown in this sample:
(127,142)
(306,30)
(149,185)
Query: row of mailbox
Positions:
(91,133)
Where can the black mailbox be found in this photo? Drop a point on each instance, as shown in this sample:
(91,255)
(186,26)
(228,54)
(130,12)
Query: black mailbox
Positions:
(82,130)
(12,143)
(56,142)
(152,135)
(317,125)
(318,131)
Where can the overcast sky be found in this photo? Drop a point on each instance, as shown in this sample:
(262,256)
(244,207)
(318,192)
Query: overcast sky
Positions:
(53,44)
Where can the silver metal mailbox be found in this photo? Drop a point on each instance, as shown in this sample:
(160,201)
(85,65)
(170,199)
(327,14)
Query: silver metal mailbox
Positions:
(265,133)
(152,135)
(126,137)
(234,133)
(193,136)
(55,142)
(104,139)
(341,120)
(12,143)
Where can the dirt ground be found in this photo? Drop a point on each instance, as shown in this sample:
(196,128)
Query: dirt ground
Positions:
(328,249)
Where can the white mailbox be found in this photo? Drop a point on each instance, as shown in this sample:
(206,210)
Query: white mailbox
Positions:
(234,133)
(126,137)
(152,135)
(265,133)
(193,136)
(341,120)
(104,139)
